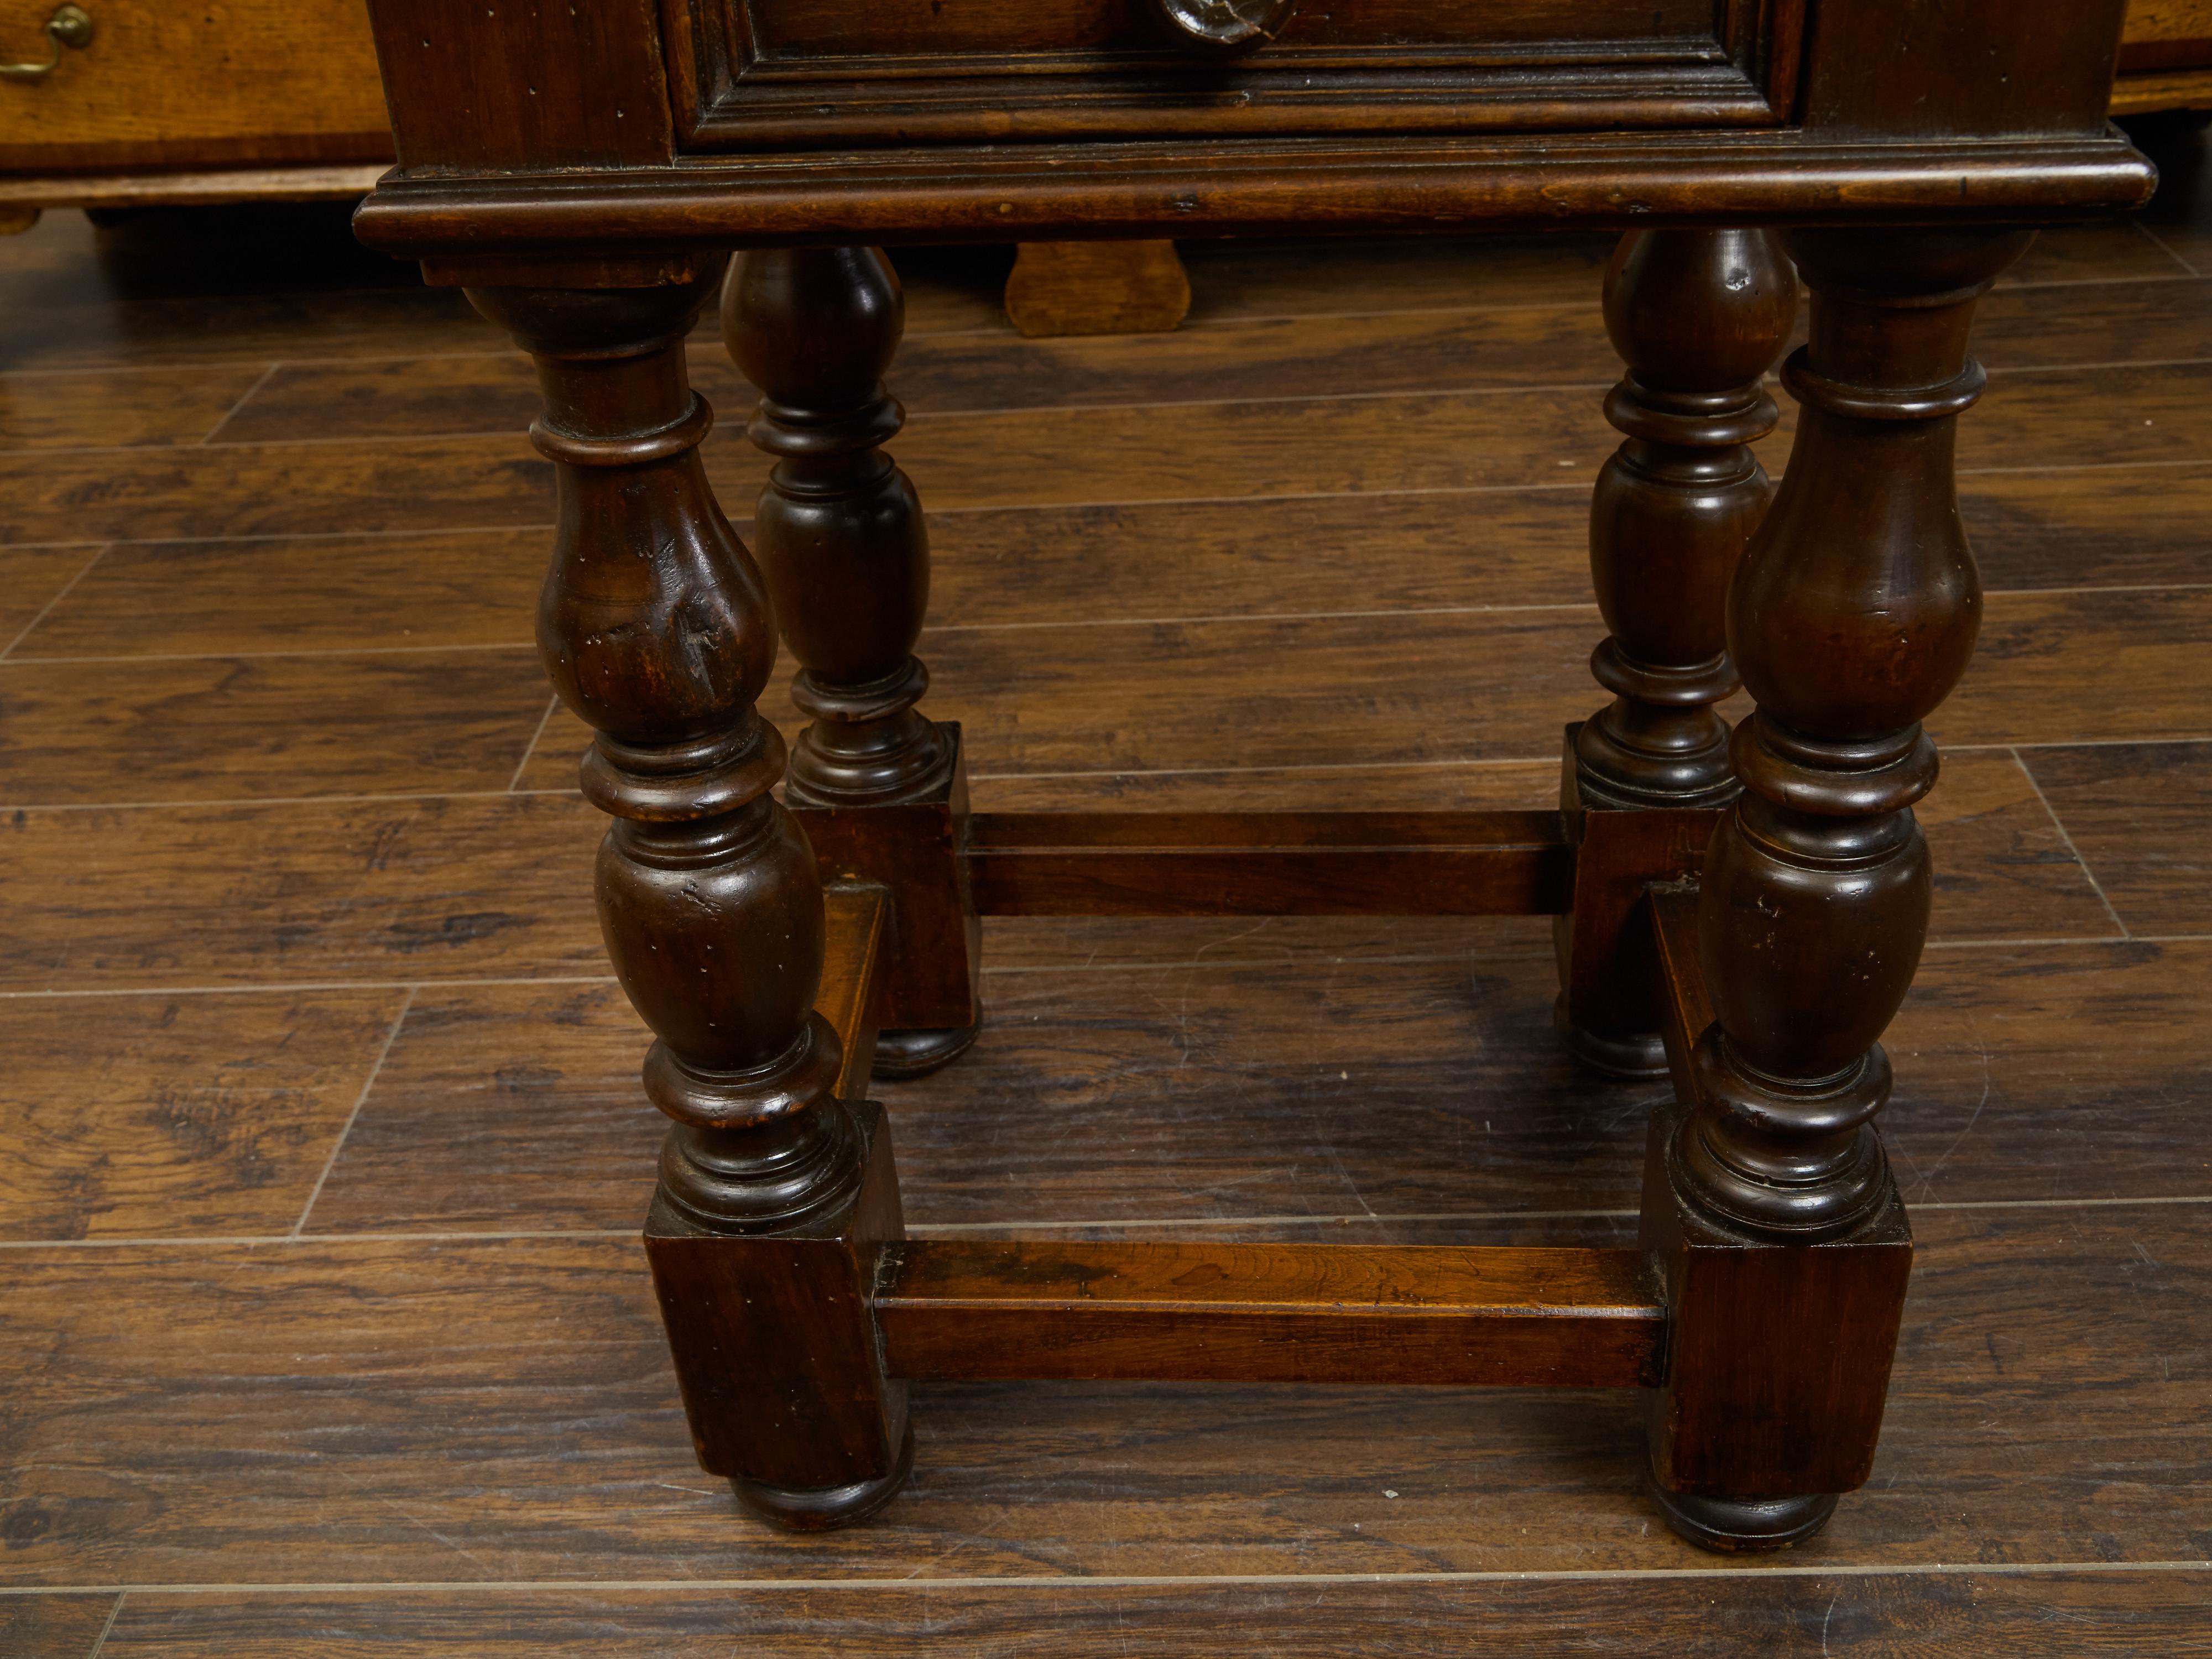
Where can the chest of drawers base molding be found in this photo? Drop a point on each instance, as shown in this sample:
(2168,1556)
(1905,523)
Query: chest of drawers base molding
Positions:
(1740,912)
(459,223)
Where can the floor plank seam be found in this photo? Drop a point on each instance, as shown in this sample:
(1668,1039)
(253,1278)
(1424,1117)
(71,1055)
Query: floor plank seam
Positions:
(1120,1225)
(294,988)
(2074,851)
(515,783)
(100,1642)
(322,652)
(225,802)
(934,631)
(1996,369)
(2066,940)
(2160,244)
(1003,332)
(922,414)
(989,411)
(47,610)
(2044,468)
(375,1068)
(243,538)
(1696,1569)
(244,399)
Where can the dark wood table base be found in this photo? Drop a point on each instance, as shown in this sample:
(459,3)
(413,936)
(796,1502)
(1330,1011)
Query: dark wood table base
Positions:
(1741,911)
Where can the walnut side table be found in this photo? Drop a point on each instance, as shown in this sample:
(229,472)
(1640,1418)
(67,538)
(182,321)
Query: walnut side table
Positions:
(1743,911)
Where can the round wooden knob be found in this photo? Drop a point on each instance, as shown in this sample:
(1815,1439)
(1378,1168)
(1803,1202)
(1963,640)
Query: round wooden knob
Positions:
(1221,27)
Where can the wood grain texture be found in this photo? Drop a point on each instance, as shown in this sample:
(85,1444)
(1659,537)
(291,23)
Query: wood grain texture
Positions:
(1190,185)
(1366,676)
(1000,568)
(1790,1615)
(2167,20)
(1433,864)
(85,304)
(2153,91)
(275,490)
(1097,287)
(473,887)
(224,728)
(54,1627)
(203,1115)
(855,918)
(1275,278)
(956,1310)
(521,85)
(1477,342)
(1298,1071)
(217,187)
(1311,1079)
(33,578)
(956,289)
(226,81)
(541,1358)
(154,406)
(1297,446)
(387,891)
(395,891)
(307,593)
(2141,817)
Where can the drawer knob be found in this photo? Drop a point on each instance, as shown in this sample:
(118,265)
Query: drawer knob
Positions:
(1221,27)
(70,27)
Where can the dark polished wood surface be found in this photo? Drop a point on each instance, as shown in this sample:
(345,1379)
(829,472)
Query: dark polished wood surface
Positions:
(1903,158)
(1370,115)
(300,920)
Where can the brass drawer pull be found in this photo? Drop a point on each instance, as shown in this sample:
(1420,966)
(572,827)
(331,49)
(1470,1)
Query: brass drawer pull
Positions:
(1223,26)
(70,27)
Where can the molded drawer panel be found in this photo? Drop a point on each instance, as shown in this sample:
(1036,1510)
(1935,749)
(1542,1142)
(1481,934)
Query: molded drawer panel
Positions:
(784,29)
(790,74)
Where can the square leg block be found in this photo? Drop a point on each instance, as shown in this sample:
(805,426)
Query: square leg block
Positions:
(1778,1355)
(1608,1009)
(912,850)
(774,1341)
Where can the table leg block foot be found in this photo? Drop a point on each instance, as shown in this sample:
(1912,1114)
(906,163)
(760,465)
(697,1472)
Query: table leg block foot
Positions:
(1740,1526)
(913,1053)
(1629,1056)
(823,1508)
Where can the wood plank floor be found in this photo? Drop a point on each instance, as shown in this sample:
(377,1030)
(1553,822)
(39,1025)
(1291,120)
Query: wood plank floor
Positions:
(324,1324)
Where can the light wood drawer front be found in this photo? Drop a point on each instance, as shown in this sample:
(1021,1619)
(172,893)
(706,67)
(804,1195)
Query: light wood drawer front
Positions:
(191,83)
(2167,35)
(2168,20)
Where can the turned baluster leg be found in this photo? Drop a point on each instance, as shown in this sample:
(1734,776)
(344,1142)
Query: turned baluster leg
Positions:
(841,536)
(1851,616)
(773,1193)
(1698,317)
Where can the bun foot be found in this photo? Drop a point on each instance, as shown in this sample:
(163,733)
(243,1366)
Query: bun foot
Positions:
(917,1053)
(820,1508)
(1632,1056)
(1744,1525)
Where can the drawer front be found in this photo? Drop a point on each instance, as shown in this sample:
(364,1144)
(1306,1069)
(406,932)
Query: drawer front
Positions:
(213,83)
(789,30)
(2167,34)
(775,74)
